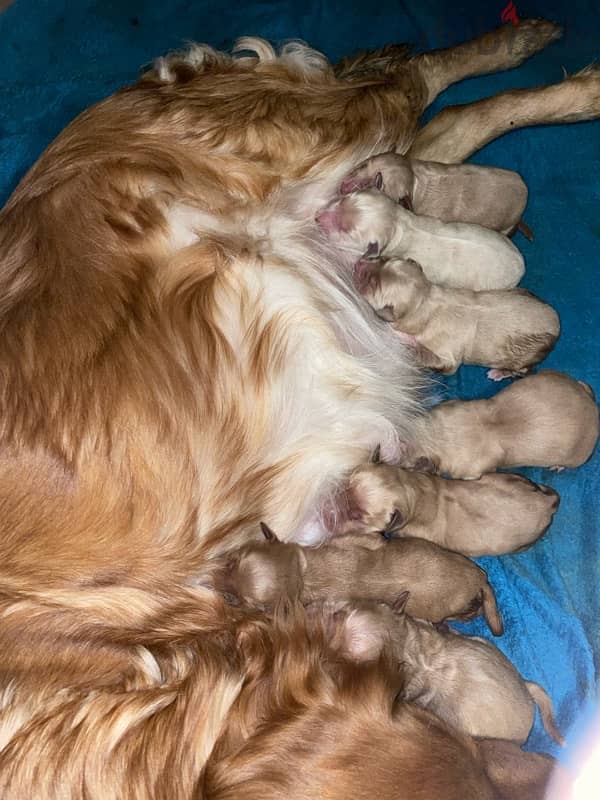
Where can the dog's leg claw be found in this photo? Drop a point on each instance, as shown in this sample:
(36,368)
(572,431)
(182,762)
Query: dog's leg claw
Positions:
(557,468)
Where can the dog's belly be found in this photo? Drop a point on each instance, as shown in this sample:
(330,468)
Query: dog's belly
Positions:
(347,384)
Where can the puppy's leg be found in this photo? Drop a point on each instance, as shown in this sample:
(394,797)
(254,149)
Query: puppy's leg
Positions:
(504,48)
(459,131)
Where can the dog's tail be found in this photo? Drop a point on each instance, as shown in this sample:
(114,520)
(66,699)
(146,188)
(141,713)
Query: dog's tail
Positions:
(490,610)
(544,703)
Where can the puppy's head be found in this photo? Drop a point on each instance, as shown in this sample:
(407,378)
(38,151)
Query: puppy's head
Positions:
(390,173)
(263,573)
(392,288)
(386,496)
(364,631)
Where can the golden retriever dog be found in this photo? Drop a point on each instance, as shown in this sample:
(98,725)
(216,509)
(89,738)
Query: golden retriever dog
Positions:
(459,255)
(464,680)
(544,420)
(508,330)
(183,355)
(499,513)
(440,584)
(488,196)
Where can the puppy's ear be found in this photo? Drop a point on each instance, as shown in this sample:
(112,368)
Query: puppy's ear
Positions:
(516,774)
(400,602)
(396,522)
(268,533)
(424,464)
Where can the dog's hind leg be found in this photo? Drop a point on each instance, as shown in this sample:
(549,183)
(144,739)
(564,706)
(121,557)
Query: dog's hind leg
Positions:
(459,131)
(428,74)
(500,49)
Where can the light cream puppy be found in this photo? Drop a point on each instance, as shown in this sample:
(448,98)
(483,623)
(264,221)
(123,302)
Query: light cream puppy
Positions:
(498,514)
(454,254)
(442,585)
(543,420)
(464,680)
(509,330)
(488,196)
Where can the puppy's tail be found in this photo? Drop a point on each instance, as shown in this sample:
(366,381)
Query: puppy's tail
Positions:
(544,703)
(490,610)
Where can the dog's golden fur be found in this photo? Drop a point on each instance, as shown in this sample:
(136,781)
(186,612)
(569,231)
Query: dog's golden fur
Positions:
(160,395)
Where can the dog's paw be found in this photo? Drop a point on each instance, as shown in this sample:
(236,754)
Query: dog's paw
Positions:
(362,222)
(530,36)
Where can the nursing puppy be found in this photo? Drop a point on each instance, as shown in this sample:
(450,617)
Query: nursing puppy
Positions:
(543,420)
(488,196)
(455,254)
(464,680)
(509,330)
(442,585)
(499,513)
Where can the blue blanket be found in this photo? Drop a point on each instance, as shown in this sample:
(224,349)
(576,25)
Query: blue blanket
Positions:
(58,57)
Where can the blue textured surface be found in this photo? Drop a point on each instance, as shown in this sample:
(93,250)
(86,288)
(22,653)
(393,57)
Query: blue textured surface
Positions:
(58,57)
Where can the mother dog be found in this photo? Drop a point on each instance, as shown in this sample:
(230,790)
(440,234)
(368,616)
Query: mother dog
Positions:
(182,355)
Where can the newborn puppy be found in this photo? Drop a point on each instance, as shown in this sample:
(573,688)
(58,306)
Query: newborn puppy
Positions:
(508,330)
(543,420)
(464,680)
(452,254)
(494,198)
(499,513)
(442,585)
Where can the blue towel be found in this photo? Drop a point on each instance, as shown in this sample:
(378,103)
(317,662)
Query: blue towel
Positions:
(58,57)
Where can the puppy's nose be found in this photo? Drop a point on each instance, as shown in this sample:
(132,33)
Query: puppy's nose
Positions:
(329,219)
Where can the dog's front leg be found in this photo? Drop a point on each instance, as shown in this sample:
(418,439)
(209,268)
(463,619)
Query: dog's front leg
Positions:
(459,131)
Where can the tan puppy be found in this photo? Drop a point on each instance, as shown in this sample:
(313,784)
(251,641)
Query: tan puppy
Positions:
(497,514)
(488,196)
(464,680)
(452,254)
(543,420)
(442,585)
(508,330)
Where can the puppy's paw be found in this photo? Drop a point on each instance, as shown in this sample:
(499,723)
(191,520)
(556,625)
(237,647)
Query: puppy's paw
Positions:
(363,222)
(389,173)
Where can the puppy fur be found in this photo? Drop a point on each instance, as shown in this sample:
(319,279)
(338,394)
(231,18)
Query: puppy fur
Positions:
(454,254)
(495,515)
(508,330)
(488,196)
(462,679)
(542,420)
(442,585)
